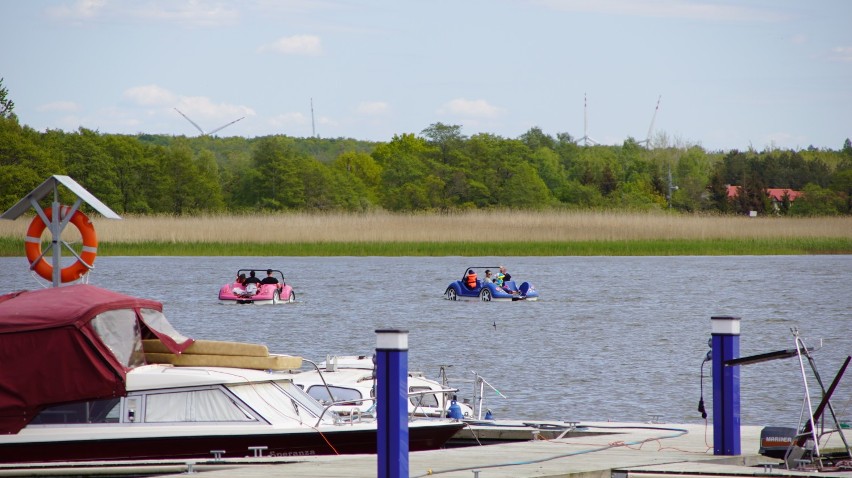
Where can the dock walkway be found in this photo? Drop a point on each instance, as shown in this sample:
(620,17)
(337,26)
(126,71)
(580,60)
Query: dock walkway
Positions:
(646,450)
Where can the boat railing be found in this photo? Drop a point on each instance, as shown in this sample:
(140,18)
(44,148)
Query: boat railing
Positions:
(444,392)
(356,414)
(477,402)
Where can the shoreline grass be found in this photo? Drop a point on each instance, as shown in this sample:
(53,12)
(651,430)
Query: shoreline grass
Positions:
(479,233)
(677,247)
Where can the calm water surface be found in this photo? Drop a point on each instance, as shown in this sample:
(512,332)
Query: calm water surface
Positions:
(618,338)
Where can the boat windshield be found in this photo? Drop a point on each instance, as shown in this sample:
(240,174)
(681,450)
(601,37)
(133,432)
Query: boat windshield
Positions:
(119,330)
(279,400)
(92,411)
(423,399)
(193,406)
(339,394)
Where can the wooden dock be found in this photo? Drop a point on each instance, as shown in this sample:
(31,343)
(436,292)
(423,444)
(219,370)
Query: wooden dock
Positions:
(619,450)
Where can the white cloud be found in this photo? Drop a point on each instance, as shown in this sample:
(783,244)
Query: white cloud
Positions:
(470,108)
(295,45)
(205,13)
(842,53)
(289,120)
(373,108)
(65,106)
(202,107)
(150,95)
(82,9)
(775,139)
(694,10)
(298,124)
(193,12)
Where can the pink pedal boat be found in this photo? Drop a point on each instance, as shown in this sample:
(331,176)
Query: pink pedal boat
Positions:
(272,289)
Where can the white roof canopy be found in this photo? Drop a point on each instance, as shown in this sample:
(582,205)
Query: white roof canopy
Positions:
(48,187)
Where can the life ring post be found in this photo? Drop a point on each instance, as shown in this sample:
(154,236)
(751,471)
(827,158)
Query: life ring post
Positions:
(54,219)
(84,261)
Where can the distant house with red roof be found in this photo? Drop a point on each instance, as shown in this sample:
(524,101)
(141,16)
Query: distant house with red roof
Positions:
(776,195)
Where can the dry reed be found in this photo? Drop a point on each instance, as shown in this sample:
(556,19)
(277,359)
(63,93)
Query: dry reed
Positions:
(461,227)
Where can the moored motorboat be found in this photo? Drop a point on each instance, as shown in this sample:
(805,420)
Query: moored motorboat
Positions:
(91,374)
(348,384)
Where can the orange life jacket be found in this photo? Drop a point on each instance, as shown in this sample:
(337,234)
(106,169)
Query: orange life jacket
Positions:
(471,280)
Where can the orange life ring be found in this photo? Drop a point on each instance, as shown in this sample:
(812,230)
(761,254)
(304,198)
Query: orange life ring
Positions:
(76,270)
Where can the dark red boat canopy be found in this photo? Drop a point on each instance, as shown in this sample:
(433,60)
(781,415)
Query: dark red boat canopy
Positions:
(72,343)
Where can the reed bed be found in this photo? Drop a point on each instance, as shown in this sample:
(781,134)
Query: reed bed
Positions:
(461,227)
(380,231)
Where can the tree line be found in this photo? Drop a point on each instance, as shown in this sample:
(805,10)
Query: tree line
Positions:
(439,169)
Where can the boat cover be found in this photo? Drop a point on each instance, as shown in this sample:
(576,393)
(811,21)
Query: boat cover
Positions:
(72,343)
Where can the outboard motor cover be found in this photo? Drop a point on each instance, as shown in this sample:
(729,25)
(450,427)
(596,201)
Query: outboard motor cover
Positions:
(774,441)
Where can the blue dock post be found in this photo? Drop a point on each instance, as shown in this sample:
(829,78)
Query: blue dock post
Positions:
(392,402)
(725,343)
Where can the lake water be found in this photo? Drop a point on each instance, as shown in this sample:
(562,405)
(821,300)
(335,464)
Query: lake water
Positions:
(612,338)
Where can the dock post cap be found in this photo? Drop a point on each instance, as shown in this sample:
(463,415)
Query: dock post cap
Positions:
(391,339)
(725,325)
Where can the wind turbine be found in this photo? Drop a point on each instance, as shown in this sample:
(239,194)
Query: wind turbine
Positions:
(204,133)
(586,139)
(647,140)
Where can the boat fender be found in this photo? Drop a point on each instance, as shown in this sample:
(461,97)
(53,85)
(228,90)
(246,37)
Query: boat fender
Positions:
(455,410)
(488,415)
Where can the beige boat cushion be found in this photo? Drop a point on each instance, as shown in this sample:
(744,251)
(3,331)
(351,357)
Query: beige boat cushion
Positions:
(210,347)
(271,362)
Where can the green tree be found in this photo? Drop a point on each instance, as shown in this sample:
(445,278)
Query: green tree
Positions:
(691,177)
(404,167)
(23,163)
(635,195)
(131,173)
(7,106)
(841,183)
(89,163)
(718,193)
(209,197)
(178,171)
(817,201)
(446,137)
(575,194)
(326,188)
(275,183)
(184,182)
(524,189)
(549,168)
(535,139)
(751,196)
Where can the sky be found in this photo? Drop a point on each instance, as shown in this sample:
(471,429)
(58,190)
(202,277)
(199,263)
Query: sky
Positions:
(722,75)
